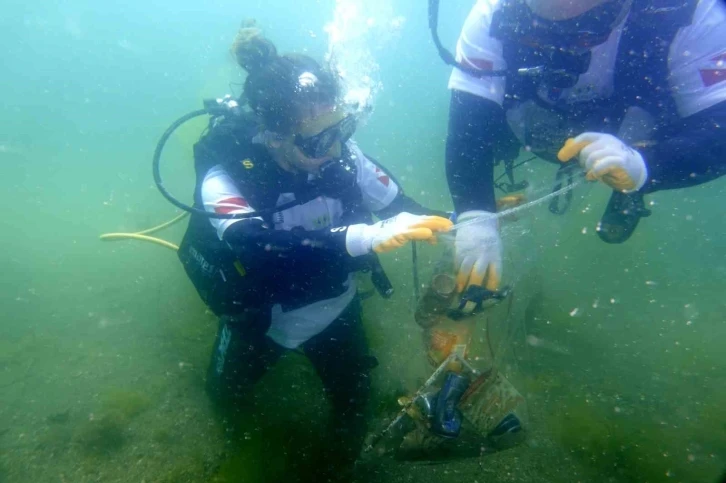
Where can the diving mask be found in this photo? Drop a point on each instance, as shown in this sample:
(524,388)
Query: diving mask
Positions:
(318,145)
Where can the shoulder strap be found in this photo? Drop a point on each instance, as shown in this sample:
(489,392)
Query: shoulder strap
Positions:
(641,70)
(226,137)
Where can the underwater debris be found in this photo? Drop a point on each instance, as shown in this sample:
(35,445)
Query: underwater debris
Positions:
(108,432)
(59,417)
(101,436)
(125,404)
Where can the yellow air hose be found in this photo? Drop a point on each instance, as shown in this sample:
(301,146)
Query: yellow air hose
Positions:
(143,235)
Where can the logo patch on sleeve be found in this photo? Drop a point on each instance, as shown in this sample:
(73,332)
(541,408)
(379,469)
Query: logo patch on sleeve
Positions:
(229,205)
(383,177)
(716,72)
(480,64)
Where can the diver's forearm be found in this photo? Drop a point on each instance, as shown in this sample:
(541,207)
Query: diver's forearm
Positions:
(474,126)
(694,154)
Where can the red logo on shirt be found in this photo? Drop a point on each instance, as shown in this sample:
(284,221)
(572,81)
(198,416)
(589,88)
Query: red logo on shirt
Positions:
(228,205)
(710,77)
(383,178)
(480,64)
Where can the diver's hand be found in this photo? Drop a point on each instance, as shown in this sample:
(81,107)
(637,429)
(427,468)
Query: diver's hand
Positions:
(478,254)
(393,233)
(608,159)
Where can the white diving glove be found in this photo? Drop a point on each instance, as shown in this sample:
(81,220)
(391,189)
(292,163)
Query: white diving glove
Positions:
(387,235)
(608,159)
(478,252)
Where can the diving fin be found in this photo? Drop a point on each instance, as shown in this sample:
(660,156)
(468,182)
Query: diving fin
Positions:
(621,216)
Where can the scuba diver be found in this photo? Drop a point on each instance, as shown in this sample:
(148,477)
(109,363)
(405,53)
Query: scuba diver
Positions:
(637,87)
(288,197)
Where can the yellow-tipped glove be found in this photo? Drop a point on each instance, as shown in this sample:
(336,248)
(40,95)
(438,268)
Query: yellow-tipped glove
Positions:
(608,159)
(387,235)
(478,252)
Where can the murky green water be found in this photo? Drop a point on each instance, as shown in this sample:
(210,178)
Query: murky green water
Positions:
(103,345)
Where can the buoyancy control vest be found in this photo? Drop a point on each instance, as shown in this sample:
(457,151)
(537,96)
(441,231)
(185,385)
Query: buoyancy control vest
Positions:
(222,281)
(640,74)
(219,279)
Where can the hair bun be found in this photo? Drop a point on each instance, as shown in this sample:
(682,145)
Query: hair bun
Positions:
(251,49)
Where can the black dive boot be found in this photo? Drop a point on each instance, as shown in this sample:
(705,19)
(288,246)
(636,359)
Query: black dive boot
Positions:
(621,216)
